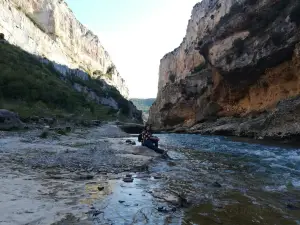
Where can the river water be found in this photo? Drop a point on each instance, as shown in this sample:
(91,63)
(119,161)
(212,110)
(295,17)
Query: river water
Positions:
(224,182)
(233,182)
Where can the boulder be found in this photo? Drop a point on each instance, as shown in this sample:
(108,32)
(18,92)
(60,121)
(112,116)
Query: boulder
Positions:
(9,120)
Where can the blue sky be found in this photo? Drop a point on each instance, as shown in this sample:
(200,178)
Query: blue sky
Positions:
(136,34)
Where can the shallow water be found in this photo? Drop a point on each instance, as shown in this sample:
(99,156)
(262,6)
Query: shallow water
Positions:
(260,183)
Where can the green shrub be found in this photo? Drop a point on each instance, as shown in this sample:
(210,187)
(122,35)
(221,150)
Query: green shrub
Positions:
(1,36)
(199,68)
(295,14)
(30,87)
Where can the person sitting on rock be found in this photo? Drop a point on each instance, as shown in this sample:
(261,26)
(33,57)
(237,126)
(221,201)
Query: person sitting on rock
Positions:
(150,141)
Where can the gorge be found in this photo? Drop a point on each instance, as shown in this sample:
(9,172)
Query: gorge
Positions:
(235,73)
(69,153)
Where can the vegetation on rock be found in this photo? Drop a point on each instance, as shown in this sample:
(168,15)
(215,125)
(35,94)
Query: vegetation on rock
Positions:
(199,68)
(30,87)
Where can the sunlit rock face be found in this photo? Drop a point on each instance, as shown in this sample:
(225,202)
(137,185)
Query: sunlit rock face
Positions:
(238,58)
(49,29)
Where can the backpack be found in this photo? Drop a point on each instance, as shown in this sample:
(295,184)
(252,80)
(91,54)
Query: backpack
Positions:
(140,138)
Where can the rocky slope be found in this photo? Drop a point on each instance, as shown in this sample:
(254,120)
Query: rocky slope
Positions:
(48,28)
(57,57)
(236,71)
(39,91)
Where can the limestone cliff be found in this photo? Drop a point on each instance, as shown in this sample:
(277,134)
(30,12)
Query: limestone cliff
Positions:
(237,67)
(49,28)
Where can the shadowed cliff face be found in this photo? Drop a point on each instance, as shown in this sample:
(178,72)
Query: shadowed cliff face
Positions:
(238,58)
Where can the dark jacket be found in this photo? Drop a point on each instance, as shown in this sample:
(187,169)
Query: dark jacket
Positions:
(146,135)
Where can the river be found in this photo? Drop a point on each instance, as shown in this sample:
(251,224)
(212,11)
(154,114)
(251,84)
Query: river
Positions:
(259,183)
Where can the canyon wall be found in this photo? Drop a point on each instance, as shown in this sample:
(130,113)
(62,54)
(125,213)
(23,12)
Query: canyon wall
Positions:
(236,71)
(48,28)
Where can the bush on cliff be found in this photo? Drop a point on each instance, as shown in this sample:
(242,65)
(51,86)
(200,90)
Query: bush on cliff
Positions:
(199,68)
(30,87)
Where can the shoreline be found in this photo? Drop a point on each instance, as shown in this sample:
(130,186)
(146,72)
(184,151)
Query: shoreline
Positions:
(74,175)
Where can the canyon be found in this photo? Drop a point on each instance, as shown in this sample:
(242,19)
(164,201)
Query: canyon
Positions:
(235,73)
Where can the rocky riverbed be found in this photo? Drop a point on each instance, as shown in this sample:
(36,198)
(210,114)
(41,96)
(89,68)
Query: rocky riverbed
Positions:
(77,178)
(101,176)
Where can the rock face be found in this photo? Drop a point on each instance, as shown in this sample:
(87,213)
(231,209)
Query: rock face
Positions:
(48,28)
(238,65)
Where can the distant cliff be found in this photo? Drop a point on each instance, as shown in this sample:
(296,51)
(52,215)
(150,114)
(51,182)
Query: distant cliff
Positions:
(49,28)
(143,105)
(237,71)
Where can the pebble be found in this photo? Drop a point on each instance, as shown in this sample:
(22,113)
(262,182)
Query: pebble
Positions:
(120,201)
(128,179)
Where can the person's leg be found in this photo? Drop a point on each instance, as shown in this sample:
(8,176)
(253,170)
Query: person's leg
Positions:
(155,142)
(150,145)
